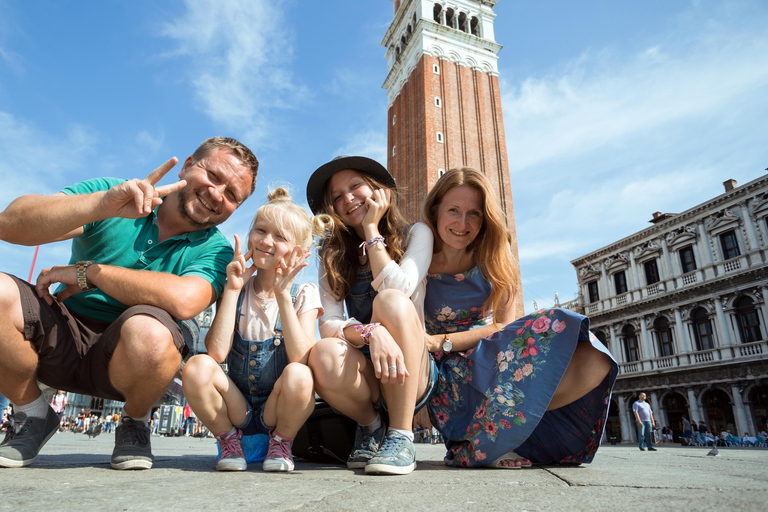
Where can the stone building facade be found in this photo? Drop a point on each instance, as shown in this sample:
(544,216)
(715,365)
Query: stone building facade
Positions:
(682,307)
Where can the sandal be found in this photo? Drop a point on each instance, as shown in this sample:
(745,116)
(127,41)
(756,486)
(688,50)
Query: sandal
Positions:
(510,460)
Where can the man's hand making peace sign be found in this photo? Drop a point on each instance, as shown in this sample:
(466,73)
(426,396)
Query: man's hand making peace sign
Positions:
(137,198)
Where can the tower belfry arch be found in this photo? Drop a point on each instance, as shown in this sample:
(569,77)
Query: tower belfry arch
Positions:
(443,100)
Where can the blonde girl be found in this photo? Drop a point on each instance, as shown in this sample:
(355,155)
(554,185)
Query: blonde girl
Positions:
(264,329)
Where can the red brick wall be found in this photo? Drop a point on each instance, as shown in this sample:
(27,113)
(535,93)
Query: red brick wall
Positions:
(470,120)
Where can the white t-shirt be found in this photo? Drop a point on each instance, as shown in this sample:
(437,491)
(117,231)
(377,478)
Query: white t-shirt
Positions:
(258,317)
(643,409)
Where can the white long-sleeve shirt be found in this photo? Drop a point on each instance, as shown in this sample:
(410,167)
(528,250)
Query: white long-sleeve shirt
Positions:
(406,277)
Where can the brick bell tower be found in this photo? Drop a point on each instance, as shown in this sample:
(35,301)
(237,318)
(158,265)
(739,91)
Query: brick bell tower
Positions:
(444,104)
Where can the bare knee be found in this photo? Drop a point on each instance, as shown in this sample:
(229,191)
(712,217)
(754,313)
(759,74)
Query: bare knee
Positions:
(326,361)
(10,302)
(146,338)
(298,382)
(392,304)
(198,372)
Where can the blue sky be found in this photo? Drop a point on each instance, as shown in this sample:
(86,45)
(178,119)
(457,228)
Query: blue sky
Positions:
(612,109)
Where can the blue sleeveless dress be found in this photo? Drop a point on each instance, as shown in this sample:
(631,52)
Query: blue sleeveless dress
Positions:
(493,398)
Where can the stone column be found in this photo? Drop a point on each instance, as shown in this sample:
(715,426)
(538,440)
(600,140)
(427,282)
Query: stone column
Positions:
(722,325)
(764,293)
(751,235)
(706,252)
(655,407)
(666,261)
(693,406)
(635,279)
(605,289)
(628,429)
(740,413)
(616,346)
(647,342)
(682,333)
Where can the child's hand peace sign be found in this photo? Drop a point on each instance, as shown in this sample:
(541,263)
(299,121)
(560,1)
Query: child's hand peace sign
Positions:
(238,271)
(290,266)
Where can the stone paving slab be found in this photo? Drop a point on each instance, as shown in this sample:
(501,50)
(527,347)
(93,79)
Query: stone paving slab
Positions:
(73,473)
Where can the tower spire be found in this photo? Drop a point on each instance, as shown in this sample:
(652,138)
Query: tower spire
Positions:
(443,100)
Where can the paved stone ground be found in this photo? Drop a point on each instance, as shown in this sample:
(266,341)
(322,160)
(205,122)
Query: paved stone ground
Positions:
(73,473)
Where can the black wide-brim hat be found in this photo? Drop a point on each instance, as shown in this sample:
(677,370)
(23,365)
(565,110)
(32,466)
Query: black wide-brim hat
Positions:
(361,164)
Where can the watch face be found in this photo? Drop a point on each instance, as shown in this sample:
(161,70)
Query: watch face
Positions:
(447,346)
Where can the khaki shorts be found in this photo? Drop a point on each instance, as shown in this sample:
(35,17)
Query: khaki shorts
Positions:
(73,350)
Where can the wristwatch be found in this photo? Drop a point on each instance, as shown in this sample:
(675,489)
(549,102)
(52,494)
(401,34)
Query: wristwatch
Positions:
(82,278)
(447,345)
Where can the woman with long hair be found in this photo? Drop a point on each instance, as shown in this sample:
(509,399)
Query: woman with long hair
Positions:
(372,362)
(509,392)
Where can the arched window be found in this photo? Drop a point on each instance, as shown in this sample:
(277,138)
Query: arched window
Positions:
(436,11)
(749,322)
(463,22)
(631,347)
(663,337)
(449,18)
(702,330)
(473,26)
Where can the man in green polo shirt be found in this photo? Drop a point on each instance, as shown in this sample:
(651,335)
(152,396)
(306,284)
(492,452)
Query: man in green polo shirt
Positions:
(143,258)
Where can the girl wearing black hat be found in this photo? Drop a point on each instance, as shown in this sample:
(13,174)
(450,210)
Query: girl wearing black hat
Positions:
(373,359)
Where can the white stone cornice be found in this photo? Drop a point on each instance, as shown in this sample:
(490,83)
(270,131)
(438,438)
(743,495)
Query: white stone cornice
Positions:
(431,38)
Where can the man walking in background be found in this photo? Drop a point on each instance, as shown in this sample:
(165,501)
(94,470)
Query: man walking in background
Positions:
(644,418)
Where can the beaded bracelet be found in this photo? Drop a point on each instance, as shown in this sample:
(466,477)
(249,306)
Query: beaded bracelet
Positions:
(365,332)
(372,241)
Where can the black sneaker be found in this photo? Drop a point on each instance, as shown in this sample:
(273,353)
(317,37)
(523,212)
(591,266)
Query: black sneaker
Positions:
(132,447)
(651,449)
(24,437)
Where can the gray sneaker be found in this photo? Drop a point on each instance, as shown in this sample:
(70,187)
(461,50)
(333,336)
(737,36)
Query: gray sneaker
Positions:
(132,446)
(366,445)
(397,456)
(24,437)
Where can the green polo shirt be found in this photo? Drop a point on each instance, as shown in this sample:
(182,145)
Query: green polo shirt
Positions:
(133,243)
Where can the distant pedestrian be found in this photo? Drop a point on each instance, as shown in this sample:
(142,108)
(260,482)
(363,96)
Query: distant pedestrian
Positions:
(701,434)
(155,420)
(644,418)
(687,432)
(59,403)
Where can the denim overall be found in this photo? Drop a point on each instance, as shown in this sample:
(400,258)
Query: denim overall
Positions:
(359,300)
(254,366)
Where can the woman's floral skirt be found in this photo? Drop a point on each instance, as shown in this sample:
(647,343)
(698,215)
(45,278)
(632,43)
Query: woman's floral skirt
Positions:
(494,398)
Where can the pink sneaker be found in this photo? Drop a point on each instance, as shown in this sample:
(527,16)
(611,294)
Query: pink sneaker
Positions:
(279,457)
(232,457)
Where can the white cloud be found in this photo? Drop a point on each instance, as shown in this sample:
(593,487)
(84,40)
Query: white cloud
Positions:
(149,143)
(370,143)
(238,53)
(37,162)
(604,99)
